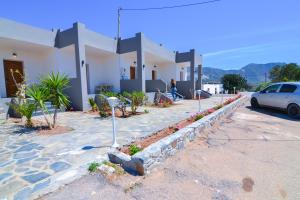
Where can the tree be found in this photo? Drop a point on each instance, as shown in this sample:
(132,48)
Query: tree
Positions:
(288,72)
(230,81)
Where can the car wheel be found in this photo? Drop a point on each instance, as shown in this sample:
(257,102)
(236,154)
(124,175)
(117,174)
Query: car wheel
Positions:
(254,103)
(293,110)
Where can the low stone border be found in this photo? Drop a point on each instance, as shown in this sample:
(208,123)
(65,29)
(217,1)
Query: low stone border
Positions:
(143,161)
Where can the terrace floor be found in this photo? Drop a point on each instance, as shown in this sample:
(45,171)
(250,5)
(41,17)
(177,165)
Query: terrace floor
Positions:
(31,164)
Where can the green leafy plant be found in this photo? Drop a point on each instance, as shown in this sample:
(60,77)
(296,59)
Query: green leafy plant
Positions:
(198,117)
(146,111)
(93,166)
(26,109)
(56,84)
(133,149)
(40,95)
(103,114)
(218,107)
(93,104)
(137,99)
(122,105)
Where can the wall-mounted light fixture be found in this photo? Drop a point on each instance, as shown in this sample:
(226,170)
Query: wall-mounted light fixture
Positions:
(144,66)
(155,66)
(134,62)
(14,54)
(82,63)
(182,68)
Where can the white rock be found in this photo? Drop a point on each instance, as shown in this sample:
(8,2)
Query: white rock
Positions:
(106,169)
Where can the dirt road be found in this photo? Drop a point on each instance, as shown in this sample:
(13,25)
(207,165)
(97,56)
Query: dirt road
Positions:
(248,155)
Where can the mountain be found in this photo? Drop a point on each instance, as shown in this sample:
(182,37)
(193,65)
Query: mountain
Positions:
(254,73)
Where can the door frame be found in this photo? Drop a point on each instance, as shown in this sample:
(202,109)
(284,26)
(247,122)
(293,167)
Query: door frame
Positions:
(11,60)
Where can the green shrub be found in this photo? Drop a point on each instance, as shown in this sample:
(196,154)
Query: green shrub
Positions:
(137,99)
(26,109)
(103,114)
(146,111)
(93,104)
(93,166)
(133,149)
(198,117)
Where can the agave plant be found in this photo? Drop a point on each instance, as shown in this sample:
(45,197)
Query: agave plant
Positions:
(56,84)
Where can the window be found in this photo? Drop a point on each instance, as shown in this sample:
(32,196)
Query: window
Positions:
(271,89)
(288,88)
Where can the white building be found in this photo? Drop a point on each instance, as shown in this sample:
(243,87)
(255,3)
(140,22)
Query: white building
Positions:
(213,88)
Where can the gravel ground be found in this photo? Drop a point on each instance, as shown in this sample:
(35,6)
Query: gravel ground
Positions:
(251,154)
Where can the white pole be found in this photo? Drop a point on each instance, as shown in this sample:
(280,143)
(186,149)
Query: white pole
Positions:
(115,144)
(199,94)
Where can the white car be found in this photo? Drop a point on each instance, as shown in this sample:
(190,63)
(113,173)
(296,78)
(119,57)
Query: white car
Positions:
(284,96)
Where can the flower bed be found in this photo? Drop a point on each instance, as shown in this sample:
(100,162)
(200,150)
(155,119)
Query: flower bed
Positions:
(142,143)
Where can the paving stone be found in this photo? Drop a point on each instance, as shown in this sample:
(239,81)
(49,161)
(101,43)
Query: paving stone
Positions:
(3,164)
(23,194)
(31,172)
(11,188)
(33,178)
(59,166)
(21,169)
(21,161)
(40,186)
(5,175)
(24,155)
(29,147)
(42,159)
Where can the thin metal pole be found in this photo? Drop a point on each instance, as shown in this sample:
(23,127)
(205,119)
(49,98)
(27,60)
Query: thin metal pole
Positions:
(119,22)
(115,144)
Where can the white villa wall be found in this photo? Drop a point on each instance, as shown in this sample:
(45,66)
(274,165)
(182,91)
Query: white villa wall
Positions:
(105,70)
(38,62)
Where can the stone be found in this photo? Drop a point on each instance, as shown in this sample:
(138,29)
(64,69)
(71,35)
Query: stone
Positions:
(3,164)
(24,155)
(59,166)
(21,169)
(29,147)
(40,186)
(33,178)
(106,169)
(5,175)
(23,194)
(21,161)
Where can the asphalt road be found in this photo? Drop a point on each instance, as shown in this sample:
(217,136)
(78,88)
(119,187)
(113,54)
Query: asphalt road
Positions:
(251,154)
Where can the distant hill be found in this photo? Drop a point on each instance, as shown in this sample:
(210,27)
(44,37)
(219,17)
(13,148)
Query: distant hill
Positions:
(254,73)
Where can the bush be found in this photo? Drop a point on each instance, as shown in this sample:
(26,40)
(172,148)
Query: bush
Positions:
(133,149)
(93,104)
(146,111)
(93,166)
(200,116)
(26,109)
(137,99)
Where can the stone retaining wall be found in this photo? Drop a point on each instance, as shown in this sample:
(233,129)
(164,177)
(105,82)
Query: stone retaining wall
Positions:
(143,161)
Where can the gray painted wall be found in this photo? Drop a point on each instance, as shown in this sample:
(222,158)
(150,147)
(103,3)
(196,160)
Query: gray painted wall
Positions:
(153,85)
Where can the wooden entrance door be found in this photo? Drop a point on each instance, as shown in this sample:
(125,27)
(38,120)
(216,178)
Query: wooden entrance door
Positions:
(132,72)
(154,75)
(14,66)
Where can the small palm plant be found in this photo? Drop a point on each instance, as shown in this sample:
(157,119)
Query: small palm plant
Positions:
(39,95)
(56,84)
(26,109)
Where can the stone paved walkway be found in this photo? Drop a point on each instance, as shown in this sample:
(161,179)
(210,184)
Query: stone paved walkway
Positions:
(31,164)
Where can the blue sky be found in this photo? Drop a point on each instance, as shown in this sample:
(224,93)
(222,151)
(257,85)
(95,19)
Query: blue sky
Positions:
(229,34)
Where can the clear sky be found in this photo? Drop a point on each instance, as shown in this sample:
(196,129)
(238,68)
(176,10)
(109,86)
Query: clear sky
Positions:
(229,34)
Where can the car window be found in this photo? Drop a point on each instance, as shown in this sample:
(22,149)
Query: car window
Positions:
(271,89)
(288,88)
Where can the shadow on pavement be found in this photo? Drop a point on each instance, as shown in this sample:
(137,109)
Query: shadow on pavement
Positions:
(273,112)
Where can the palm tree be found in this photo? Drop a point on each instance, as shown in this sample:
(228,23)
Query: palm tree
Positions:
(56,84)
(39,95)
